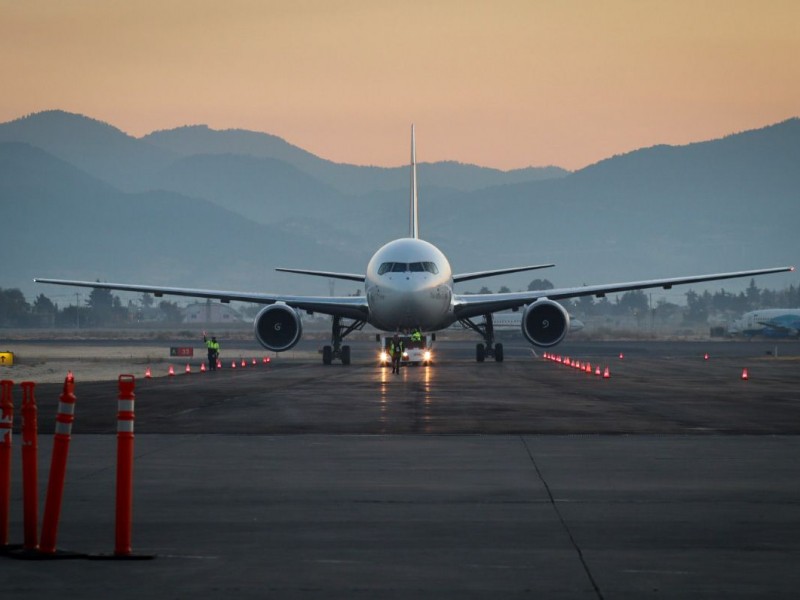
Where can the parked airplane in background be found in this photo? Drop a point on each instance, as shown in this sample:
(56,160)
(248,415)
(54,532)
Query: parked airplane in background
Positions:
(769,322)
(409,284)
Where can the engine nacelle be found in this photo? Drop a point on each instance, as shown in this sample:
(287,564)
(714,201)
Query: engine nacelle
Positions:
(278,327)
(545,323)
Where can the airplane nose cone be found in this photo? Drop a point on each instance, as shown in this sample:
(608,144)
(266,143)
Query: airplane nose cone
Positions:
(407,301)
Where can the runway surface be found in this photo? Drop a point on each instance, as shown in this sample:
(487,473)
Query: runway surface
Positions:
(674,478)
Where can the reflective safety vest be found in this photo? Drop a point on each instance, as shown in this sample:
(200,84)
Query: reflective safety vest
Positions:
(398,350)
(212,345)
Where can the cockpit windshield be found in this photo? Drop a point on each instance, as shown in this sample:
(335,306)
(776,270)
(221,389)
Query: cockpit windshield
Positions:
(414,267)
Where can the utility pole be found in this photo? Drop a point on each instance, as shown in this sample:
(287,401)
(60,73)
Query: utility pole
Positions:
(77,311)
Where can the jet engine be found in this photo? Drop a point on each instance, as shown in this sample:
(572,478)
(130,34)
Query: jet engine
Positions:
(545,323)
(278,327)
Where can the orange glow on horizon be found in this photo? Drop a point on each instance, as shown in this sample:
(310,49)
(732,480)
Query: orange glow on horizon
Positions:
(506,84)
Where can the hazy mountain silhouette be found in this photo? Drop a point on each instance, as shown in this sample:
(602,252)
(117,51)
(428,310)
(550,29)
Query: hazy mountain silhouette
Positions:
(93,146)
(348,179)
(712,206)
(61,222)
(719,205)
(262,189)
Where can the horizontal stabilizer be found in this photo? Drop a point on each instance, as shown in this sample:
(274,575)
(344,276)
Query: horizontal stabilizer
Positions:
(481,274)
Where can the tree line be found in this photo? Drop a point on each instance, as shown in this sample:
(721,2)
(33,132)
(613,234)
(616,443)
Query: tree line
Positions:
(100,309)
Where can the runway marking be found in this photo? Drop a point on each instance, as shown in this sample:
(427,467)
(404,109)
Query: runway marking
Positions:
(334,561)
(656,572)
(189,556)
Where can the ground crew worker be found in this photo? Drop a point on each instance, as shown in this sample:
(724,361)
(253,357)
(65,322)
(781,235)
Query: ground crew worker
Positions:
(396,350)
(213,351)
(416,336)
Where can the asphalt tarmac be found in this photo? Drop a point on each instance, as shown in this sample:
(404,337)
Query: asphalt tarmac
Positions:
(673,478)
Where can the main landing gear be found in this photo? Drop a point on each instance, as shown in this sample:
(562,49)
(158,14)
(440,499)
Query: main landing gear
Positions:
(337,351)
(486,330)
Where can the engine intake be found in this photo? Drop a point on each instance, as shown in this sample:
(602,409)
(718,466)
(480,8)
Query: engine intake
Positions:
(545,323)
(278,327)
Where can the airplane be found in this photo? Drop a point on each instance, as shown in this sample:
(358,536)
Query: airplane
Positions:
(408,283)
(769,322)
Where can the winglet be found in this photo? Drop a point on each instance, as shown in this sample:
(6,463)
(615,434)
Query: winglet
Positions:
(414,217)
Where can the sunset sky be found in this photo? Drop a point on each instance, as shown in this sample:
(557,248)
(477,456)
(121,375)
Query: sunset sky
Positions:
(505,84)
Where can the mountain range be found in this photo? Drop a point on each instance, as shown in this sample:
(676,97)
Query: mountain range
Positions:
(197,207)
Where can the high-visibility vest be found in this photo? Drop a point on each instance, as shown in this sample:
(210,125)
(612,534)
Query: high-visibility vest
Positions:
(399,348)
(212,345)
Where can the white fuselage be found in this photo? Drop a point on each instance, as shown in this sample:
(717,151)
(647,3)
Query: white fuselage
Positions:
(409,284)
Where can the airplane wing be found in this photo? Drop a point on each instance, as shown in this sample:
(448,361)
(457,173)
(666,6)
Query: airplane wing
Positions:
(481,274)
(329,274)
(471,305)
(351,307)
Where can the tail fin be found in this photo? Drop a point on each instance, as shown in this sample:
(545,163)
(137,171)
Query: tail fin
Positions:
(414,218)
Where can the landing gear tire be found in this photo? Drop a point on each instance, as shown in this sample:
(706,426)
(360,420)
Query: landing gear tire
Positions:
(345,355)
(327,355)
(480,352)
(498,352)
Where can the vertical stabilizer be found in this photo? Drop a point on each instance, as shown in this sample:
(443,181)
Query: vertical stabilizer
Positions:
(414,218)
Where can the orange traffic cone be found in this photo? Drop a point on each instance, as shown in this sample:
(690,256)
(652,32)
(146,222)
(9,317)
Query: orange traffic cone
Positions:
(219,364)
(606,374)
(597,371)
(171,371)
(202,367)
(244,364)
(188,368)
(147,373)
(745,376)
